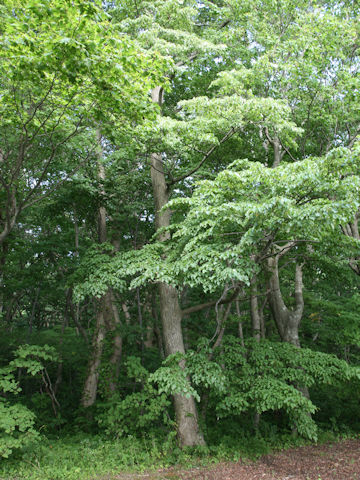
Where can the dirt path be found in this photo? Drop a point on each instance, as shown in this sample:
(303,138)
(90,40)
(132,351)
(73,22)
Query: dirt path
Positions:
(335,461)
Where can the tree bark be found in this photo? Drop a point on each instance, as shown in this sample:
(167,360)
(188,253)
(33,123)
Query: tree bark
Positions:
(170,312)
(185,409)
(113,325)
(254,309)
(158,333)
(221,327)
(256,327)
(278,150)
(287,321)
(92,379)
(352,230)
(107,316)
(75,314)
(278,154)
(240,324)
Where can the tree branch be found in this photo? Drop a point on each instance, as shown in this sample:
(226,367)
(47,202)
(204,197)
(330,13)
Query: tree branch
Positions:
(202,306)
(228,135)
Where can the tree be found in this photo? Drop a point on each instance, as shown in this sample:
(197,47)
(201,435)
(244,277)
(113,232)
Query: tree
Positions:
(64,66)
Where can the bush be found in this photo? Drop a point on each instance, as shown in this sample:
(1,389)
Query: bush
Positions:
(16,420)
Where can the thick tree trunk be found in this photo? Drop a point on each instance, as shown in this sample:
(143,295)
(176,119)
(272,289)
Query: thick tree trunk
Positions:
(287,321)
(278,154)
(278,150)
(185,409)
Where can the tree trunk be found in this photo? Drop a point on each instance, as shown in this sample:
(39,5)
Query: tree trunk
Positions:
(141,326)
(256,327)
(278,154)
(185,409)
(32,315)
(75,314)
(107,316)
(240,325)
(287,321)
(92,379)
(115,358)
(158,333)
(59,373)
(352,230)
(254,309)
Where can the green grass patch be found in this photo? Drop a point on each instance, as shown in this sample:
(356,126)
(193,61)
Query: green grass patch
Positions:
(84,457)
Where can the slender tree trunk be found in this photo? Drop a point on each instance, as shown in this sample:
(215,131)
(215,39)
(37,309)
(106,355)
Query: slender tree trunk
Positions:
(278,150)
(222,326)
(158,333)
(92,379)
(262,320)
(220,335)
(114,322)
(185,409)
(126,313)
(240,325)
(256,327)
(32,315)
(102,305)
(141,326)
(254,309)
(59,373)
(115,358)
(3,253)
(75,315)
(352,230)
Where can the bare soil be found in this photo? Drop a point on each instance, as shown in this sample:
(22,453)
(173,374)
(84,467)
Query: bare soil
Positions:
(333,461)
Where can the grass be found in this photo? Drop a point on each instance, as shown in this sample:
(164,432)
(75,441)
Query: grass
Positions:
(79,457)
(84,457)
